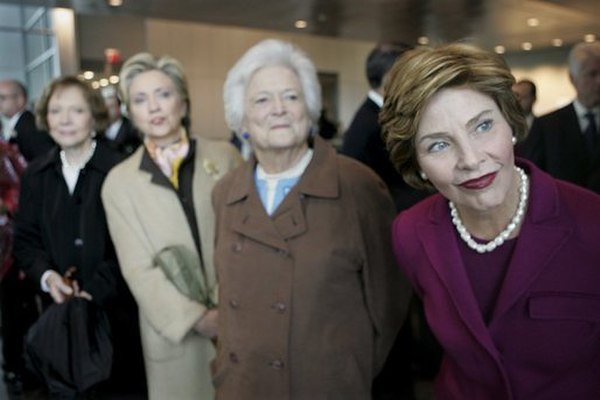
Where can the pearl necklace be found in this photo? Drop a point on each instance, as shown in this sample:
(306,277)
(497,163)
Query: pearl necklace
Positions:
(502,236)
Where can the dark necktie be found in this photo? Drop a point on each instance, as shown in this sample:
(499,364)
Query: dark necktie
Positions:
(591,132)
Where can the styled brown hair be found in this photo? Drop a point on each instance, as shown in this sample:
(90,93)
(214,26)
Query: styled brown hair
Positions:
(91,96)
(419,74)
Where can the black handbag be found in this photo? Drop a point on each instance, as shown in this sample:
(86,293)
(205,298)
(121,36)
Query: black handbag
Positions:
(70,345)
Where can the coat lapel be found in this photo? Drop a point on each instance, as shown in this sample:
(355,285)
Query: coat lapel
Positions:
(439,241)
(289,220)
(542,234)
(242,199)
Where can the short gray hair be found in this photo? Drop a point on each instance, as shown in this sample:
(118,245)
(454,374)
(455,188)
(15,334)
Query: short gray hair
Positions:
(268,53)
(580,53)
(143,62)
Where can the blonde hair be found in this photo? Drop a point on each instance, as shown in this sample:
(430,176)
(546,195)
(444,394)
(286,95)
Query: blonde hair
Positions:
(143,62)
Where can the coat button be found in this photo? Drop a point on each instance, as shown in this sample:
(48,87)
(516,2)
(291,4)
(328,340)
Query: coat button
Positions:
(276,364)
(236,247)
(233,358)
(282,253)
(279,307)
(234,303)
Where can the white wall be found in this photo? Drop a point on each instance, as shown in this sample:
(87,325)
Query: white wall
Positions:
(548,70)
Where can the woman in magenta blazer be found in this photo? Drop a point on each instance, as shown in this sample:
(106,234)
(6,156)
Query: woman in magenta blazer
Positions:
(505,257)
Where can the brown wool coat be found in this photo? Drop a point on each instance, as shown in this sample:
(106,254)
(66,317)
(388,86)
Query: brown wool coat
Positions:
(143,219)
(310,298)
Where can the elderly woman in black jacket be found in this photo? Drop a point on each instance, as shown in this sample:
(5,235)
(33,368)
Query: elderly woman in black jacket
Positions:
(60,224)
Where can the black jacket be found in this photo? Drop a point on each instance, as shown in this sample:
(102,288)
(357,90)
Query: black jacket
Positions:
(556,144)
(31,141)
(56,230)
(363,142)
(128,138)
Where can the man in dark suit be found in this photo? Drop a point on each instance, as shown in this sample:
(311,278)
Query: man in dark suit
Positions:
(565,142)
(526,93)
(121,135)
(363,142)
(18,123)
(17,295)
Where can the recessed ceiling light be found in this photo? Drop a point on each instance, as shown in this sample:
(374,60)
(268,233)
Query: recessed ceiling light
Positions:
(300,24)
(589,38)
(115,3)
(114,79)
(500,49)
(526,46)
(533,22)
(95,85)
(423,40)
(557,42)
(88,75)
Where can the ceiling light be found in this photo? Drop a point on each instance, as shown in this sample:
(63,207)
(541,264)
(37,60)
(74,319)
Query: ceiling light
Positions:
(589,38)
(526,46)
(423,40)
(557,42)
(300,24)
(500,49)
(95,85)
(103,82)
(114,79)
(88,75)
(115,3)
(533,22)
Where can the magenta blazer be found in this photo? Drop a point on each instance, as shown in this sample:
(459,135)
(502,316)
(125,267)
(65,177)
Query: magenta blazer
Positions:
(543,341)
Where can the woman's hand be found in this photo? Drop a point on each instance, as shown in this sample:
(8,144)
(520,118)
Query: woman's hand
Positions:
(207,325)
(59,290)
(81,293)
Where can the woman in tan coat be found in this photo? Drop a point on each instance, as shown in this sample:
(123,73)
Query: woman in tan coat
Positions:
(158,207)
(310,297)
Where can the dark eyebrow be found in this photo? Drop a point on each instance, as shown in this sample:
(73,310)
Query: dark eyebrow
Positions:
(471,122)
(476,118)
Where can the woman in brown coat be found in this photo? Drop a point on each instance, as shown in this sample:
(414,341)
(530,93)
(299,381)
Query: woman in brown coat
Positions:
(310,298)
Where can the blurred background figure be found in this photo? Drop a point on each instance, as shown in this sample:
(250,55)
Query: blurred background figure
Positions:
(327,128)
(18,123)
(415,350)
(565,142)
(159,213)
(61,222)
(362,140)
(20,142)
(311,300)
(526,93)
(120,134)
(504,256)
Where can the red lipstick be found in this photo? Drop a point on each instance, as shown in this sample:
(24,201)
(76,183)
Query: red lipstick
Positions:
(480,183)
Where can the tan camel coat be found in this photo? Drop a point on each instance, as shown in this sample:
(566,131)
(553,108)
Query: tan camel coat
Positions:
(144,218)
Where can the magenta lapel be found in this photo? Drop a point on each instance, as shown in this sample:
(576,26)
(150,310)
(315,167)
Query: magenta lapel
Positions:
(543,233)
(439,241)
